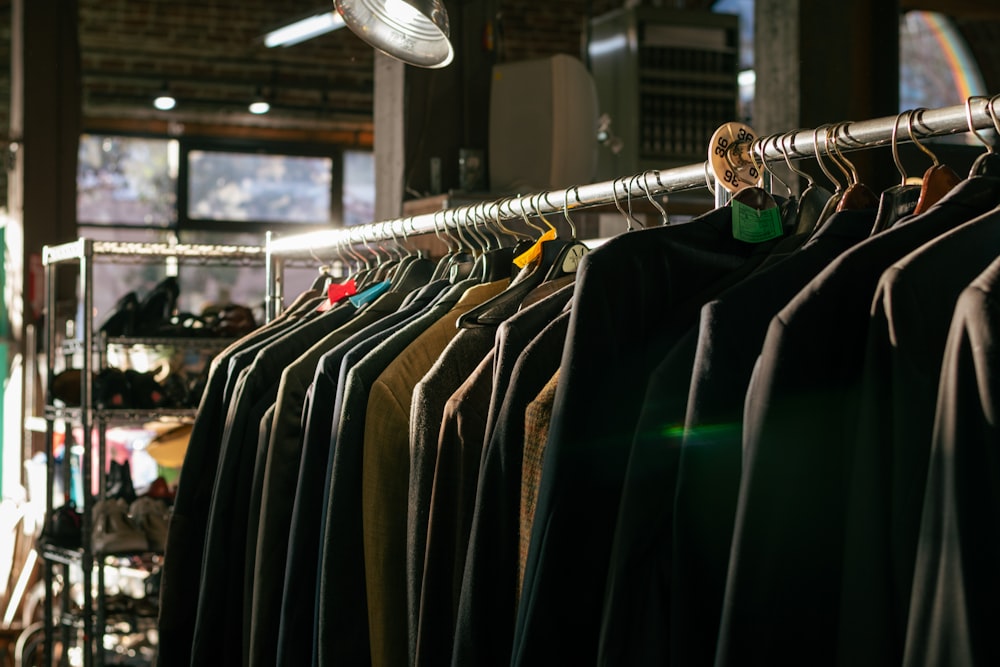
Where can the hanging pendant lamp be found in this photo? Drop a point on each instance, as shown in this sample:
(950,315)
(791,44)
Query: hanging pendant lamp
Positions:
(414,31)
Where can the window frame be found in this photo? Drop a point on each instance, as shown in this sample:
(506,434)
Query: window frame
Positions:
(183,222)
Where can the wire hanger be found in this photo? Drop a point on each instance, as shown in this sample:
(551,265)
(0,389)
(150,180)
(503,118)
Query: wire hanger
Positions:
(838,191)
(764,167)
(565,209)
(988,163)
(664,217)
(451,249)
(897,201)
(524,215)
(812,200)
(627,216)
(498,219)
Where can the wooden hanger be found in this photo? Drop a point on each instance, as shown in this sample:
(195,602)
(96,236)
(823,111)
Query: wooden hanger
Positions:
(939,178)
(857,196)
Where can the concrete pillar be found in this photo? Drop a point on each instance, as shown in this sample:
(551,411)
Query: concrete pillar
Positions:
(822,63)
(45,122)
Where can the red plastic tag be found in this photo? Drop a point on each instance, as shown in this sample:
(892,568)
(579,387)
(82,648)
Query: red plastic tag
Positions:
(336,293)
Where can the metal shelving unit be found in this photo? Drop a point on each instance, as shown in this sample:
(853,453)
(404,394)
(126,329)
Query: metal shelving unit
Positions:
(85,628)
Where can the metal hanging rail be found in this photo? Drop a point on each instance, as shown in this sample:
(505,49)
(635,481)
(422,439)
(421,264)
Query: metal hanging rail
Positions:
(978,113)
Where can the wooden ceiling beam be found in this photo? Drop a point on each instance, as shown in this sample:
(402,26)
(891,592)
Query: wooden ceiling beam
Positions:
(961,9)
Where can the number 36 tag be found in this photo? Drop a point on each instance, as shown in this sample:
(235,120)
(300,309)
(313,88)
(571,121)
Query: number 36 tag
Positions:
(729,157)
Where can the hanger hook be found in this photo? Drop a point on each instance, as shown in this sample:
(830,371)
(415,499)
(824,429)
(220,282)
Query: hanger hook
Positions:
(470,243)
(473,229)
(644,186)
(536,201)
(545,197)
(565,211)
(512,213)
(395,238)
(709,181)
(438,225)
(909,130)
(819,159)
(364,259)
(833,150)
(487,231)
(614,195)
(628,201)
(894,142)
(761,148)
(524,215)
(992,112)
(785,153)
(972,125)
(406,237)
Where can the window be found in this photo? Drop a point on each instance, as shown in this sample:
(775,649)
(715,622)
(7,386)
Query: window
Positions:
(156,190)
(127,181)
(259,188)
(936,66)
(359,187)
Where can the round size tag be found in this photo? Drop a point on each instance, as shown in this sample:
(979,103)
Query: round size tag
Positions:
(729,157)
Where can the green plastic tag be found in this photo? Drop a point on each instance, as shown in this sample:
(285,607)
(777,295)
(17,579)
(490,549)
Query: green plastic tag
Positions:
(754,226)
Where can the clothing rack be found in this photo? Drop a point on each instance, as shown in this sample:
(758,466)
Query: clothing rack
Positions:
(976,114)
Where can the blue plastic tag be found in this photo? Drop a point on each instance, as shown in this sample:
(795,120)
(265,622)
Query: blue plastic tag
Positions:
(370,294)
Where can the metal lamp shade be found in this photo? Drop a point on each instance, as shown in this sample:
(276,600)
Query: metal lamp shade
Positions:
(414,31)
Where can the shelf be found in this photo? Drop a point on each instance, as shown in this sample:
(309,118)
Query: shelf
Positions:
(127,416)
(212,343)
(102,617)
(62,555)
(143,252)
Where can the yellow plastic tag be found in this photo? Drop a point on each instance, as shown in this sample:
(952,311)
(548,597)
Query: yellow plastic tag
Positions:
(532,253)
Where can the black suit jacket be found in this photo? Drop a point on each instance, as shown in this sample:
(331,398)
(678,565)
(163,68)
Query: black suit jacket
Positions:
(955,586)
(273,491)
(296,636)
(676,516)
(179,585)
(906,340)
(635,295)
(785,574)
(219,621)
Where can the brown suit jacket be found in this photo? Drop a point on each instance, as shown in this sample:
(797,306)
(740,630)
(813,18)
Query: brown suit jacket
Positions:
(385,479)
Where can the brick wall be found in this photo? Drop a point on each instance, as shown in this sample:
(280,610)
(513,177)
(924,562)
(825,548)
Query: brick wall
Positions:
(211,56)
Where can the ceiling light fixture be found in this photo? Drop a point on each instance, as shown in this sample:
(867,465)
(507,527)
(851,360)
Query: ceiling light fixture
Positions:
(414,31)
(164,101)
(307,28)
(260,105)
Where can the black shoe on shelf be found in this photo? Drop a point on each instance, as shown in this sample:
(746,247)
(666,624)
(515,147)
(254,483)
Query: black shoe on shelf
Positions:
(64,528)
(145,393)
(118,482)
(157,307)
(121,321)
(111,390)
